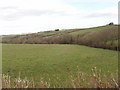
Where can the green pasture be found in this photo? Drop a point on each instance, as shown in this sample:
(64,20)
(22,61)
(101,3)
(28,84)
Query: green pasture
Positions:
(52,61)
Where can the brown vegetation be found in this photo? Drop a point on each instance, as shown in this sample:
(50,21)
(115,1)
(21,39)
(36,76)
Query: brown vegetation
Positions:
(107,39)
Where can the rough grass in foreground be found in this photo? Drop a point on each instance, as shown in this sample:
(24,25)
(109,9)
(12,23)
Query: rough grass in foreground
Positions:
(83,80)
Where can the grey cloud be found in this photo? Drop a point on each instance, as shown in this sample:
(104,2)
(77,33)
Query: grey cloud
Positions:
(98,14)
(20,13)
(8,7)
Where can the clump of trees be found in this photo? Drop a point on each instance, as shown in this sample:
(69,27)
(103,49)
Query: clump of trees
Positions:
(111,23)
(56,29)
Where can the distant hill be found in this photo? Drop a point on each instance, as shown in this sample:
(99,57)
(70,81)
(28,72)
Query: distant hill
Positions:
(99,37)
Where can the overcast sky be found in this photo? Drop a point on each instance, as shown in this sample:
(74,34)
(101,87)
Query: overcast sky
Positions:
(26,16)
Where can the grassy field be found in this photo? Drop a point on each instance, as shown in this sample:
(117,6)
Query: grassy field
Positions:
(55,61)
(94,29)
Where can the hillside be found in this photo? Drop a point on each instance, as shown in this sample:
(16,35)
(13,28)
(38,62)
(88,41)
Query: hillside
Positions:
(101,37)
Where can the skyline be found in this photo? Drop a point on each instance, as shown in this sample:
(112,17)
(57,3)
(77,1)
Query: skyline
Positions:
(30,16)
